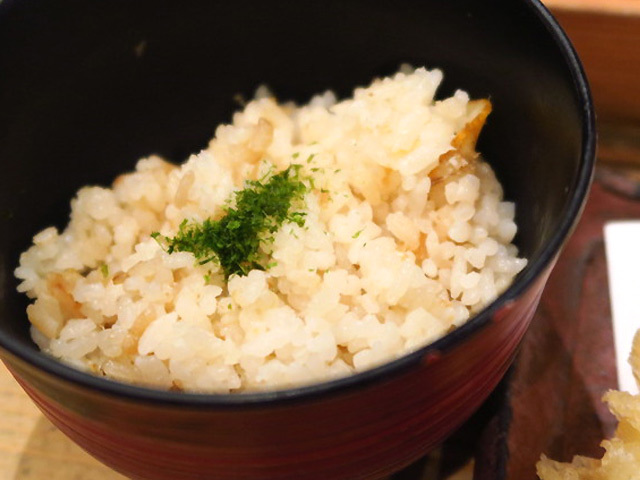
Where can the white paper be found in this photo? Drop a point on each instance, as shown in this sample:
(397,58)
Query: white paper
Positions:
(622,244)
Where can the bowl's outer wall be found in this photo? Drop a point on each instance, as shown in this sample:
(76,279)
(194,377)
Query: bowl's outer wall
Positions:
(353,434)
(88,87)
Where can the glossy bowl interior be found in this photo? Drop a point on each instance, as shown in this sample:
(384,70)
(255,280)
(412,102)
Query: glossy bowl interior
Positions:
(87,88)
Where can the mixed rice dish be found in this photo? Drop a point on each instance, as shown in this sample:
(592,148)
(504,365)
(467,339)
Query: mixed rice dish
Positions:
(306,243)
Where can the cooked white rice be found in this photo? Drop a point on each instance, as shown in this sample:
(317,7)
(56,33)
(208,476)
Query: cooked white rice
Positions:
(390,257)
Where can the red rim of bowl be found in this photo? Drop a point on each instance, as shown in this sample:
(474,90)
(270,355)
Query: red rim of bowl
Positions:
(357,380)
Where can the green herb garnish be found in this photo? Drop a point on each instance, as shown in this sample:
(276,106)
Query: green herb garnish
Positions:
(104,269)
(234,240)
(357,234)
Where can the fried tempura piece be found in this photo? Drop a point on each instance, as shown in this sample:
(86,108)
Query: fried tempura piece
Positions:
(634,357)
(463,156)
(621,460)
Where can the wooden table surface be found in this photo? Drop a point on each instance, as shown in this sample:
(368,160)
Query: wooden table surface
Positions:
(33,449)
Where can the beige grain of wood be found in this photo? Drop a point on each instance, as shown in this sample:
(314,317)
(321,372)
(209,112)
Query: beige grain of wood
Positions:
(33,449)
(624,7)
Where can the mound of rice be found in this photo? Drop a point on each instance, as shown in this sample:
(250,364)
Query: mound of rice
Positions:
(406,235)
